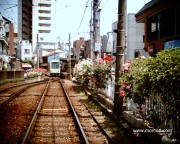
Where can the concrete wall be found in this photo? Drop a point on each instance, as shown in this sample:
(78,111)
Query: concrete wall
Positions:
(11,75)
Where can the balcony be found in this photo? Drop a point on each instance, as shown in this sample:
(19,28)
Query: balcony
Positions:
(45,8)
(25,10)
(25,30)
(44,15)
(44,28)
(25,23)
(44,18)
(44,31)
(25,17)
(44,3)
(44,22)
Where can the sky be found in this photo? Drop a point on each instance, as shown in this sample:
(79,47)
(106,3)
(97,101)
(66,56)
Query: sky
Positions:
(72,16)
(8,8)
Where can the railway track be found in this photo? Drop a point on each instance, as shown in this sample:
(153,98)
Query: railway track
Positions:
(9,93)
(18,85)
(49,113)
(56,121)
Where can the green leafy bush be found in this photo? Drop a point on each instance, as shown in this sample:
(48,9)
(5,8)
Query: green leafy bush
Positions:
(152,75)
(156,79)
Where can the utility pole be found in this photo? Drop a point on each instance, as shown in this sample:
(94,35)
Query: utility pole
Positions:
(121,26)
(96,29)
(91,40)
(37,45)
(69,62)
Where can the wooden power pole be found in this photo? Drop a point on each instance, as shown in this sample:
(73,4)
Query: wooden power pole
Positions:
(69,62)
(121,27)
(96,29)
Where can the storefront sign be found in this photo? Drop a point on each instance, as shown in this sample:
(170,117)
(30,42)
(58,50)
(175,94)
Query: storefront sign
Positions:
(150,48)
(172,44)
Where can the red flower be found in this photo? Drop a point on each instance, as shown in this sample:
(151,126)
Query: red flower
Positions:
(122,93)
(128,87)
(108,59)
(126,65)
(126,68)
(100,61)
(123,87)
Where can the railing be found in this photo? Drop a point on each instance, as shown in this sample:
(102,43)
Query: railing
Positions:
(161,112)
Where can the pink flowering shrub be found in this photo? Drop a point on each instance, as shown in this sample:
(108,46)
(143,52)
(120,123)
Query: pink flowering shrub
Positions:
(31,73)
(102,72)
(96,73)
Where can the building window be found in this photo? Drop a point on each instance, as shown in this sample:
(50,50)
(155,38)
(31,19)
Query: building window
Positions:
(143,38)
(178,20)
(152,28)
(167,23)
(55,65)
(27,51)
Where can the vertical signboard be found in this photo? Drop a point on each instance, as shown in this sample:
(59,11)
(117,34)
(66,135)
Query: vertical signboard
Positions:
(97,47)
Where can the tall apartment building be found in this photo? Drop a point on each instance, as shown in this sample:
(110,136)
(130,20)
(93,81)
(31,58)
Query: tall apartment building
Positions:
(36,21)
(43,26)
(25,19)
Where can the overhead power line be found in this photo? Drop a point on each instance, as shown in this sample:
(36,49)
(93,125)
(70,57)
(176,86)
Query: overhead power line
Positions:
(10,7)
(82,18)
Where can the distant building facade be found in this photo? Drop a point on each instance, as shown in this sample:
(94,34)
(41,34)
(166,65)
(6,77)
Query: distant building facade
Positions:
(6,42)
(135,37)
(24,51)
(79,48)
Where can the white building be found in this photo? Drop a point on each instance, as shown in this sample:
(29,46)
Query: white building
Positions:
(4,58)
(43,26)
(135,37)
(24,50)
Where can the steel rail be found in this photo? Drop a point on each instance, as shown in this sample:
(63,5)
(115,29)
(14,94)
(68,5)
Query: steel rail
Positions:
(16,93)
(102,130)
(30,128)
(16,85)
(82,133)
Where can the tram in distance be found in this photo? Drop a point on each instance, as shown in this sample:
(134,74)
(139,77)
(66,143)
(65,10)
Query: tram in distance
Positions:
(55,68)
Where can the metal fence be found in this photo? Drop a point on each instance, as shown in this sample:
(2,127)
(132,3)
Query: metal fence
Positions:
(162,113)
